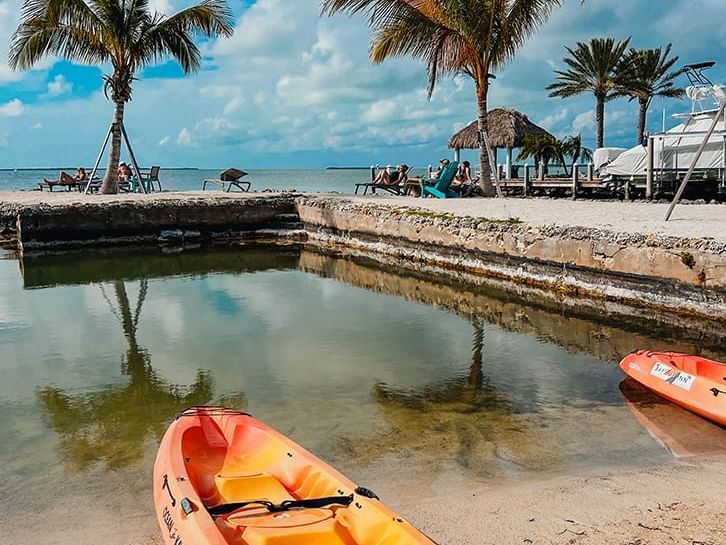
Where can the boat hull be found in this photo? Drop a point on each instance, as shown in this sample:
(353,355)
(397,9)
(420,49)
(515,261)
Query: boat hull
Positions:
(216,466)
(695,383)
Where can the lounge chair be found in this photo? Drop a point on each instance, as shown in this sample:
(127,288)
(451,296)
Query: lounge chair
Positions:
(398,188)
(228,179)
(441,186)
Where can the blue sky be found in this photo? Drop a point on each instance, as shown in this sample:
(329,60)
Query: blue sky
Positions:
(291,89)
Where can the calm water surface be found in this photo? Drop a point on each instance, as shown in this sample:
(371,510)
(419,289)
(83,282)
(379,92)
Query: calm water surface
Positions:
(341,181)
(411,387)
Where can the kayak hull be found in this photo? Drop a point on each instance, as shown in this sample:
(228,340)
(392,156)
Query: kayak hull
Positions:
(692,382)
(222,477)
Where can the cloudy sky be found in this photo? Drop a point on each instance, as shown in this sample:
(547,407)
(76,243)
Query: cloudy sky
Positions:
(291,89)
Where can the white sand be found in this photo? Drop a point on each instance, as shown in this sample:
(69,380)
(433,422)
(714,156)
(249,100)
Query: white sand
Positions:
(688,220)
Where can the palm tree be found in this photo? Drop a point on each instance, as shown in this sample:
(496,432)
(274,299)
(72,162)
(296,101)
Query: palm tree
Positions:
(472,37)
(124,33)
(540,147)
(644,74)
(592,68)
(571,147)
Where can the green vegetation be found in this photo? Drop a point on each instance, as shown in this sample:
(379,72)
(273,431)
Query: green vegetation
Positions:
(546,148)
(472,37)
(592,68)
(126,35)
(644,74)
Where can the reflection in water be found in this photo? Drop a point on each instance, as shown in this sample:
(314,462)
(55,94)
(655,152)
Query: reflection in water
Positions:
(466,415)
(404,382)
(681,432)
(112,425)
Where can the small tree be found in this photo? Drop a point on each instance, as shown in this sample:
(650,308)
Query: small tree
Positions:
(646,73)
(542,148)
(124,33)
(592,69)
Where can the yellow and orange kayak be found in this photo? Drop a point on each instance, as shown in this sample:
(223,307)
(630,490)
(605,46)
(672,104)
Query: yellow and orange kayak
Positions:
(695,383)
(222,477)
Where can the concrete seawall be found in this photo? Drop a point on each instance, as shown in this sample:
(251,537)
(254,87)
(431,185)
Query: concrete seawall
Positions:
(666,273)
(70,221)
(687,276)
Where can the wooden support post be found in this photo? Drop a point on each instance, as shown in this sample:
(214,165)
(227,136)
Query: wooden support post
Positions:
(627,188)
(525,189)
(98,160)
(540,172)
(457,155)
(508,163)
(590,172)
(575,180)
(649,169)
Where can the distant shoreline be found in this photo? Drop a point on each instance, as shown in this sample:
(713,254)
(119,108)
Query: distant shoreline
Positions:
(32,169)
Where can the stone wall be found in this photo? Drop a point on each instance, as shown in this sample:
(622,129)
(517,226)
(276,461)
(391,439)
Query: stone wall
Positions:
(165,220)
(683,275)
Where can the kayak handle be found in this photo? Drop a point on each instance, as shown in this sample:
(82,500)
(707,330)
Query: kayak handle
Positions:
(227,508)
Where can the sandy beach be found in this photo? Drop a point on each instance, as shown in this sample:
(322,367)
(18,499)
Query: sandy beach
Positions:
(675,504)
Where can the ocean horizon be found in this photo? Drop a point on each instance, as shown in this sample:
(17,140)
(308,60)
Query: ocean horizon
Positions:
(335,179)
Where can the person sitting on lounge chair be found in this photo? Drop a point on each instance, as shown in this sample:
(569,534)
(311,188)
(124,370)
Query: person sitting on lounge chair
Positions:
(124,172)
(67,179)
(413,185)
(398,176)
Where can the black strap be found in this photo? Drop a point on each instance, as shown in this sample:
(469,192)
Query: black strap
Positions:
(227,508)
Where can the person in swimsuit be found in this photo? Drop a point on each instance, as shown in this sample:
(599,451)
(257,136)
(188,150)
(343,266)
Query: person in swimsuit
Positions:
(398,176)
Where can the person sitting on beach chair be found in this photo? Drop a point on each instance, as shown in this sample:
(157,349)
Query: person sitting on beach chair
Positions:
(397,177)
(124,172)
(66,179)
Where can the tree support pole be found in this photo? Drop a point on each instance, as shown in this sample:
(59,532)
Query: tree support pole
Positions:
(98,160)
(133,159)
(685,181)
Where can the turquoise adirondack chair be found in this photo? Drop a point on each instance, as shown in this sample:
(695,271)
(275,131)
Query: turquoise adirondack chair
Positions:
(440,187)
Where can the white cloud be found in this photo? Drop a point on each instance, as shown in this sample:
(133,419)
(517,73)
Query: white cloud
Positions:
(380,111)
(14,108)
(584,121)
(184,138)
(59,86)
(36,126)
(164,141)
(161,6)
(555,119)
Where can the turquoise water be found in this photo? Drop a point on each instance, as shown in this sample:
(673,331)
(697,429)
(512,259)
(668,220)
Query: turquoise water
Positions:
(342,181)
(407,385)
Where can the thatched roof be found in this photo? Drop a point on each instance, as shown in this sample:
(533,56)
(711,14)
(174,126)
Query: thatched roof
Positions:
(507,129)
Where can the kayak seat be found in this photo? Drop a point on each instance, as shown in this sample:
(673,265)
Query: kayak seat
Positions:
(312,483)
(241,488)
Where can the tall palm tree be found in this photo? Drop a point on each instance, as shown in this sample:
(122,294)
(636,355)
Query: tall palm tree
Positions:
(472,37)
(124,33)
(646,73)
(592,69)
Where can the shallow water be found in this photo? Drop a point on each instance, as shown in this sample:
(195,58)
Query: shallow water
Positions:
(409,386)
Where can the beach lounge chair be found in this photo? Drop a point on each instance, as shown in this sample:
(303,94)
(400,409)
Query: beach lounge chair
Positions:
(228,179)
(440,187)
(398,188)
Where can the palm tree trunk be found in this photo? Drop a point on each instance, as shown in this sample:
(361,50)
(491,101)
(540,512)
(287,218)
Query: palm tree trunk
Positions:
(642,115)
(600,120)
(485,176)
(110,180)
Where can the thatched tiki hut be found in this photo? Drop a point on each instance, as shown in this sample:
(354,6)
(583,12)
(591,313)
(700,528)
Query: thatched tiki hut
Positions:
(507,129)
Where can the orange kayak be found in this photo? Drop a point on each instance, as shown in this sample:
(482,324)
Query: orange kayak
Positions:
(695,383)
(222,477)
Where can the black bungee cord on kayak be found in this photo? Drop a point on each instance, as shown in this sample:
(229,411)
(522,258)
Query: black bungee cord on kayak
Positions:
(227,508)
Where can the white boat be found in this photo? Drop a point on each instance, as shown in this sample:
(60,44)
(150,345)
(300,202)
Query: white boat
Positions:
(675,150)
